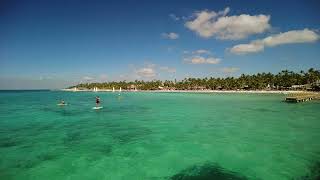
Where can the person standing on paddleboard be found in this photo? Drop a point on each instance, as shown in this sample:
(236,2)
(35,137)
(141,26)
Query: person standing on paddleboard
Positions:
(62,102)
(97,101)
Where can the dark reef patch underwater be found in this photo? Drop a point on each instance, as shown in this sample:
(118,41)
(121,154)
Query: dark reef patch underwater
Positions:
(207,171)
(314,172)
(211,171)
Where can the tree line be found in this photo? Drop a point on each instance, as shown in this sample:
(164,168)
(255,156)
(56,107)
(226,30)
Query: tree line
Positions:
(260,81)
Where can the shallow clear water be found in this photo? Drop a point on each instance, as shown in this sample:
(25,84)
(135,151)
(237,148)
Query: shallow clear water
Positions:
(156,136)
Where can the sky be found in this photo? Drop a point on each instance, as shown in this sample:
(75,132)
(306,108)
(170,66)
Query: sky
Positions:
(55,44)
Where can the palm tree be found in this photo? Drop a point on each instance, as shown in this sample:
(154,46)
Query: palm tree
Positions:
(283,79)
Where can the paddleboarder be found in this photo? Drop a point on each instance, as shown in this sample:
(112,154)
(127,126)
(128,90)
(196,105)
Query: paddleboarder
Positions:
(97,101)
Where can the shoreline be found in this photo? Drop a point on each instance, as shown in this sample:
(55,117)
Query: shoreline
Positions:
(198,91)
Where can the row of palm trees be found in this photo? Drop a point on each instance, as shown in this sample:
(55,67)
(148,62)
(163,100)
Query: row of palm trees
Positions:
(283,80)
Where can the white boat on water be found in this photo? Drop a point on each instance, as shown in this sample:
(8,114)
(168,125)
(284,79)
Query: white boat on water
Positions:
(119,91)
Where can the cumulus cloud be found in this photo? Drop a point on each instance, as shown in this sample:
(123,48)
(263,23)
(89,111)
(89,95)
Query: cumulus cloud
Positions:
(168,69)
(210,23)
(230,69)
(174,17)
(170,35)
(197,52)
(255,46)
(200,56)
(201,51)
(297,36)
(202,60)
(146,72)
(290,37)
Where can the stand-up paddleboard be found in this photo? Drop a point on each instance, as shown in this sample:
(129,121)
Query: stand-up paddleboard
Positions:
(100,107)
(61,104)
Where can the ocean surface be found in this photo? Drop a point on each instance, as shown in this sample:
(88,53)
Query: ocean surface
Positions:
(155,136)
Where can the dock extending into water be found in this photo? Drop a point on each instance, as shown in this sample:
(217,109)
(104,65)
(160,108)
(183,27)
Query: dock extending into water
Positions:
(302,97)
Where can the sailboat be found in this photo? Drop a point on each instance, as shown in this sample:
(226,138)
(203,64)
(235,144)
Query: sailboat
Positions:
(112,89)
(119,90)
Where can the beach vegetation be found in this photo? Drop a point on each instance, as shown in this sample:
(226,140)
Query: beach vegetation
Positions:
(284,80)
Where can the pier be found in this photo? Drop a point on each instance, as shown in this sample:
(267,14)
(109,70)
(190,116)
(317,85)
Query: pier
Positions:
(302,97)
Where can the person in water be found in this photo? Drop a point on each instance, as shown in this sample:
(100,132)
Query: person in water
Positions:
(62,102)
(97,101)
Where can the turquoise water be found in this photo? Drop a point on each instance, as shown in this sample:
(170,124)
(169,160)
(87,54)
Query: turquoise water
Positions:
(157,136)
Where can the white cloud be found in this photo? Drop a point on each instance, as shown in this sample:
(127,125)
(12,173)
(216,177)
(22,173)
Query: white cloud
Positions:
(210,23)
(200,56)
(146,72)
(202,60)
(230,69)
(290,37)
(168,69)
(174,17)
(197,52)
(171,35)
(224,12)
(87,78)
(201,51)
(247,48)
(212,60)
(297,36)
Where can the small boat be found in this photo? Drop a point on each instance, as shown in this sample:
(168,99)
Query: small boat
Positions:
(119,91)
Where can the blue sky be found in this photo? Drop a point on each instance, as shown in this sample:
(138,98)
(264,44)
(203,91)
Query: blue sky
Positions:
(53,44)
